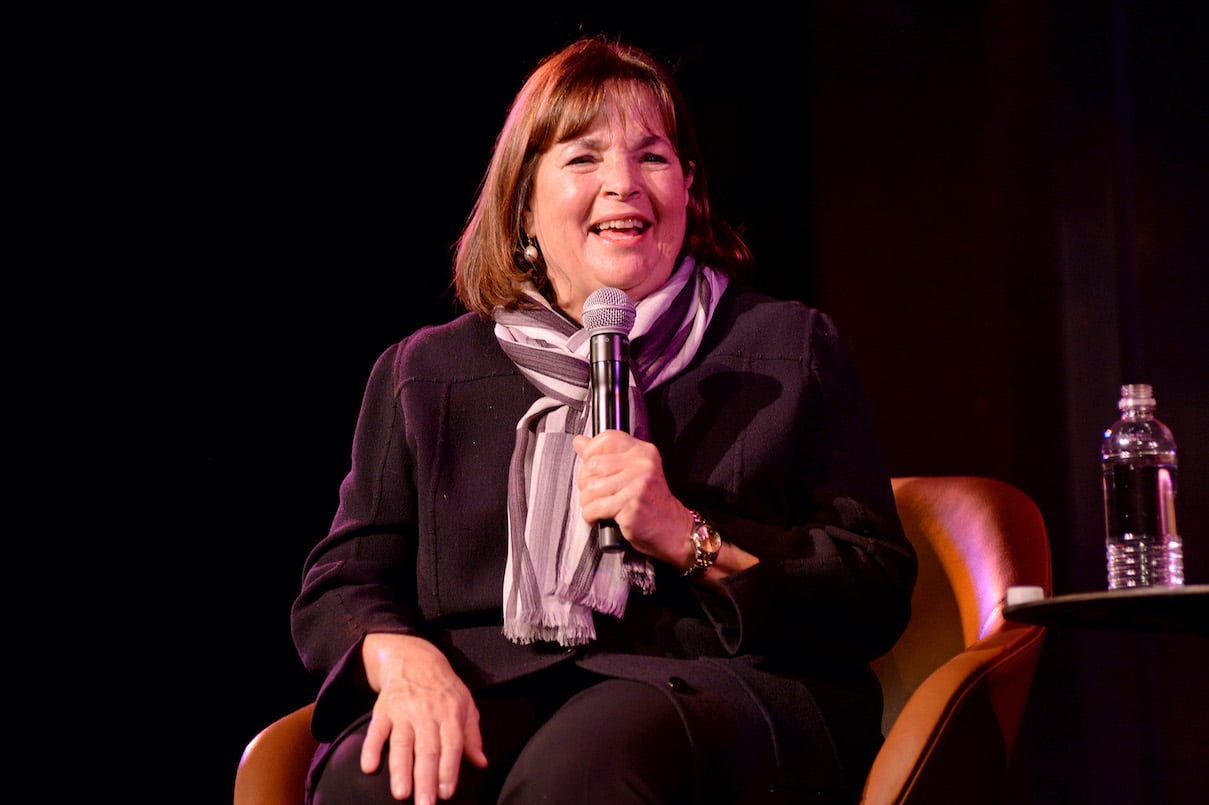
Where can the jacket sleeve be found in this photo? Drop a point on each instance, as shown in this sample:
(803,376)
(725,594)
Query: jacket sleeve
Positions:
(356,579)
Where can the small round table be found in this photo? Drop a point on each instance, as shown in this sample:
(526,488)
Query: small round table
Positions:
(1183,608)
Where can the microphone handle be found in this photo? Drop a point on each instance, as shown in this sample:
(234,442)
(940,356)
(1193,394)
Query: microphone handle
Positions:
(610,409)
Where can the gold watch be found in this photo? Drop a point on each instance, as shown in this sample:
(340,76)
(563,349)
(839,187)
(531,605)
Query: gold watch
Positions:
(706,544)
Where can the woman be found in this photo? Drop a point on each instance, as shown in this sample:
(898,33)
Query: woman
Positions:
(474,642)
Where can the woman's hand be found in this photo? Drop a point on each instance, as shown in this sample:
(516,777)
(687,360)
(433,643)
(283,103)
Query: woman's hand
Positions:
(621,478)
(427,714)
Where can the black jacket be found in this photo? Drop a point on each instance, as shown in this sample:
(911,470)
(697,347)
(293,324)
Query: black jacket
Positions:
(766,433)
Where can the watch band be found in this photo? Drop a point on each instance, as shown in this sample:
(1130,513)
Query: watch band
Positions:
(707,542)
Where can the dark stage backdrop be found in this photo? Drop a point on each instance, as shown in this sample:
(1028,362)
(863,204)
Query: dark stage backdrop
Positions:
(1003,206)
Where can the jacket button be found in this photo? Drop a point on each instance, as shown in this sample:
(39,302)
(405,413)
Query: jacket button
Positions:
(677,684)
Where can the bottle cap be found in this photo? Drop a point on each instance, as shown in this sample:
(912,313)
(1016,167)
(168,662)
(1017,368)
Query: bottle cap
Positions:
(1023,594)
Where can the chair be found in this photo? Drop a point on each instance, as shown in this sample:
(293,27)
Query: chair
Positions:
(955,684)
(957,681)
(272,770)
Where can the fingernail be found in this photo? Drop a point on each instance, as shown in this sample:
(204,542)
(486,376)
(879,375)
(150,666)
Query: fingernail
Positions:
(445,790)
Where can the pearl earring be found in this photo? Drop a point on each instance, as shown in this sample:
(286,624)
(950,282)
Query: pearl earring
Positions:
(531,253)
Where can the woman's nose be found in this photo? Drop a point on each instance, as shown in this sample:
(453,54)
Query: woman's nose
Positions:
(621,180)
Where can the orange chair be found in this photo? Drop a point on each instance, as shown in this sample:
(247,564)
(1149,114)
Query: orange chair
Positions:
(957,681)
(273,768)
(955,684)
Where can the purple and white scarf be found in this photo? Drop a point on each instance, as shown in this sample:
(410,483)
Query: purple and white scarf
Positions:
(556,574)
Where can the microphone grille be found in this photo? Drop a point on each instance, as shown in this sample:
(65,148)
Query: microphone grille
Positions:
(609,310)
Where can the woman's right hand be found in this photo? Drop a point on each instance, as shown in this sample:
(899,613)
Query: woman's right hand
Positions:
(425,712)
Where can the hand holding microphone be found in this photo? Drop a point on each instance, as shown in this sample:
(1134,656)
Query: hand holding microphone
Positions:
(608,316)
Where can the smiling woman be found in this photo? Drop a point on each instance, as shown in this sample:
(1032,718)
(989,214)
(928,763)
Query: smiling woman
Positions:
(608,206)
(600,185)
(465,621)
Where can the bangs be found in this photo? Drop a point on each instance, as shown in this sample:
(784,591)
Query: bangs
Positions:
(573,110)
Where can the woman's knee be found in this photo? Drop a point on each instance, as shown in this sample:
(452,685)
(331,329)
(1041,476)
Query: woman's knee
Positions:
(339,778)
(619,741)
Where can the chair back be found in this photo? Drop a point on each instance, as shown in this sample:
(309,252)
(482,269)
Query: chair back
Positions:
(957,681)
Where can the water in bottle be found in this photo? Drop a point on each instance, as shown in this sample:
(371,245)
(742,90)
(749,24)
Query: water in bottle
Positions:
(1138,457)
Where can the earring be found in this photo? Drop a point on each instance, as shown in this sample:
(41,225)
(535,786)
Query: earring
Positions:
(531,253)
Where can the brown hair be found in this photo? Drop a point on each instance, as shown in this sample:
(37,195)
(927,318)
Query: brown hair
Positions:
(559,101)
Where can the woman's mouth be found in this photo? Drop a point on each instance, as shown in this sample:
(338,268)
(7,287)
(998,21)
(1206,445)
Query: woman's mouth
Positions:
(622,226)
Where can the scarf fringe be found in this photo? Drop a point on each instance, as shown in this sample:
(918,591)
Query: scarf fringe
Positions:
(525,634)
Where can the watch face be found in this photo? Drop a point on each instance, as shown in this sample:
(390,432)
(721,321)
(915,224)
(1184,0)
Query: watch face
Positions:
(709,539)
(706,544)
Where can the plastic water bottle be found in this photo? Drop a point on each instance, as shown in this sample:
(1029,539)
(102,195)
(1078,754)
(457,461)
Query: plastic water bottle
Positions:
(1138,458)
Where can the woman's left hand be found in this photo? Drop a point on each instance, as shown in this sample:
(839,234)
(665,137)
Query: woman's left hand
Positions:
(621,478)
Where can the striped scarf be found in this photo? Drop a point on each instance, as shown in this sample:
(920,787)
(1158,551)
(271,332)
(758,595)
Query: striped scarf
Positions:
(556,575)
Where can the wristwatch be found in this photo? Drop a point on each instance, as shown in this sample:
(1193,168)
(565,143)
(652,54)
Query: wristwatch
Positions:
(706,544)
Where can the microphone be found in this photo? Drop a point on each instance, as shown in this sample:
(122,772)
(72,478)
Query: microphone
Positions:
(608,316)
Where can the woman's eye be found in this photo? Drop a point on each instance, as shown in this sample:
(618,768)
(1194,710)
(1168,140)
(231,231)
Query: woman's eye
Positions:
(660,158)
(582,159)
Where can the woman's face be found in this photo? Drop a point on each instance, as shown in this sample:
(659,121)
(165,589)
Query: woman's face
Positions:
(609,209)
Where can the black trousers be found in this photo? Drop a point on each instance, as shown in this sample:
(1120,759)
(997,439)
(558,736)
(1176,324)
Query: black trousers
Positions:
(564,736)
